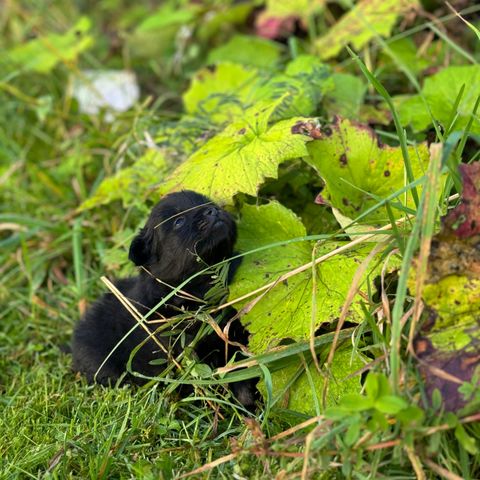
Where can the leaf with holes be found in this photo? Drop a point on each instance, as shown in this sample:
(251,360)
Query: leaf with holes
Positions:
(285,312)
(366,20)
(359,171)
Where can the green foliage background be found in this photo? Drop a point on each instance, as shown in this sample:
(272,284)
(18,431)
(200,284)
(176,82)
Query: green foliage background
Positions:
(310,145)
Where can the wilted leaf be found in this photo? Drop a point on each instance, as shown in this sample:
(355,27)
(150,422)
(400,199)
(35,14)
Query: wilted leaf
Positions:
(440,92)
(131,183)
(43,53)
(450,335)
(227,90)
(239,158)
(248,50)
(359,171)
(285,312)
(464,220)
(366,20)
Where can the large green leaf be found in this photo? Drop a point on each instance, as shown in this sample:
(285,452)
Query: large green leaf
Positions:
(440,92)
(366,20)
(285,312)
(43,53)
(222,91)
(227,90)
(359,171)
(239,158)
(306,79)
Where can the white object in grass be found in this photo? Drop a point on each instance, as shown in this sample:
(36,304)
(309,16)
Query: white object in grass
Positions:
(113,90)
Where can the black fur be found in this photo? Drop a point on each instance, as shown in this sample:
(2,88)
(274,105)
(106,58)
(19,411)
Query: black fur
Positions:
(184,233)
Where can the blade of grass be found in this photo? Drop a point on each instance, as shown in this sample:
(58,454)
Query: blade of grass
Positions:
(467,129)
(452,44)
(454,113)
(428,216)
(428,205)
(470,25)
(78,258)
(396,234)
(400,131)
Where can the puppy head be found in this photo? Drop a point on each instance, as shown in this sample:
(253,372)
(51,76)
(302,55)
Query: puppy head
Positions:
(182,227)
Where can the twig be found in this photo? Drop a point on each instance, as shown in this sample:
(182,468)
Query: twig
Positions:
(427,218)
(416,463)
(209,466)
(309,265)
(138,317)
(443,472)
(350,296)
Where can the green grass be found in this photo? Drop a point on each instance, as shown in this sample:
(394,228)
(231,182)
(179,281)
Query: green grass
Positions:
(52,158)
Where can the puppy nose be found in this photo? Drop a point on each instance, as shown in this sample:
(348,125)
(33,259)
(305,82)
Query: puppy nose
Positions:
(211,212)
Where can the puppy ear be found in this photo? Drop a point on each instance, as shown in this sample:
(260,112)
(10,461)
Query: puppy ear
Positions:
(141,248)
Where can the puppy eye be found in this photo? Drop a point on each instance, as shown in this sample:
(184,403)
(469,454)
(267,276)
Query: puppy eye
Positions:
(179,221)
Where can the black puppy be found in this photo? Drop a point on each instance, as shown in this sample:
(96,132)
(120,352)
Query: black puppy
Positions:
(184,234)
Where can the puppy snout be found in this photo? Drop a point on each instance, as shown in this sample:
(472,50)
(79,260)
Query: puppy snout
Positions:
(211,212)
